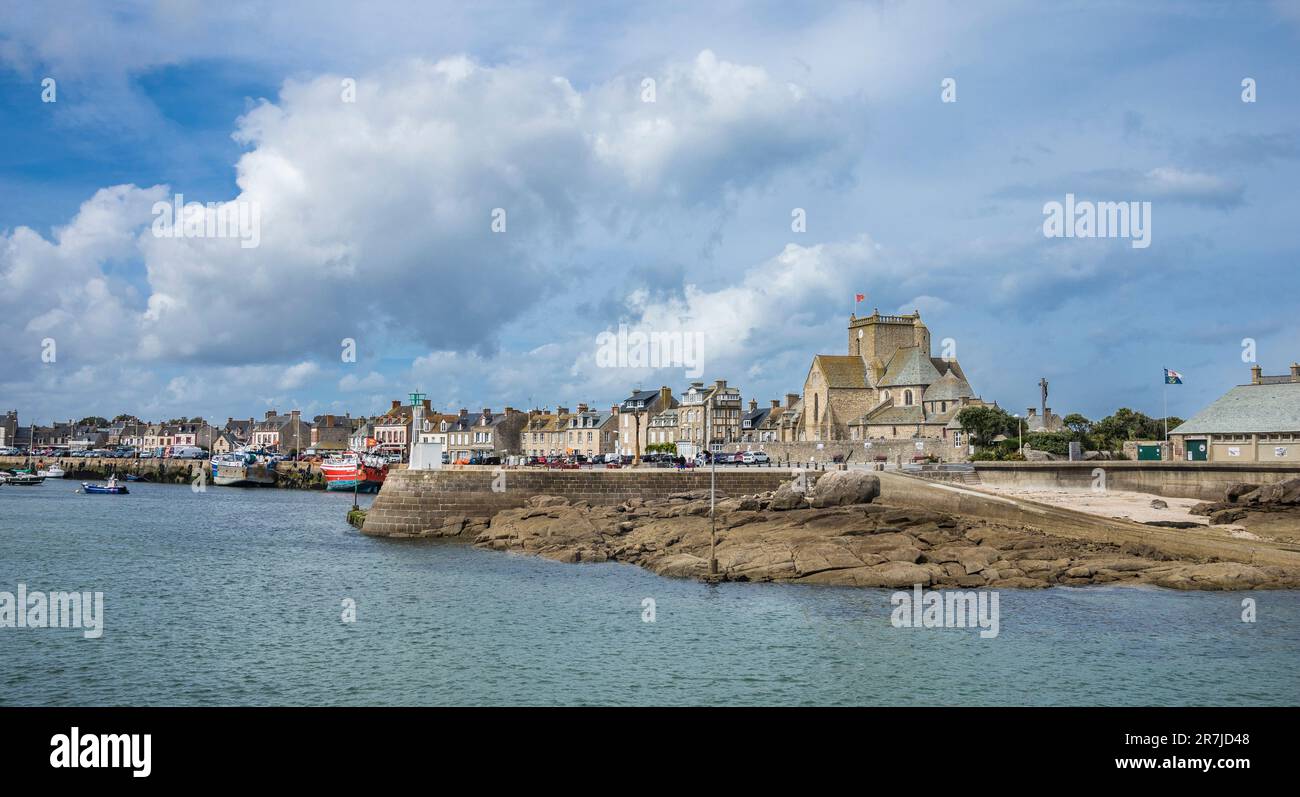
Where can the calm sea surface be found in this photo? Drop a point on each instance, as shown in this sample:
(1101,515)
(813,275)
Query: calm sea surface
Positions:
(235,597)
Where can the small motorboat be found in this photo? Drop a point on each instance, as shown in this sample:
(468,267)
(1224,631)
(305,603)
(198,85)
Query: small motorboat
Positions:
(53,472)
(131,477)
(111,487)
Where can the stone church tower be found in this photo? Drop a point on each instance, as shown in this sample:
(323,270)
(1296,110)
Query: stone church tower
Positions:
(876,338)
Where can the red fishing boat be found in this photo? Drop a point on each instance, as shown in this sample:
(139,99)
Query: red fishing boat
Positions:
(364,473)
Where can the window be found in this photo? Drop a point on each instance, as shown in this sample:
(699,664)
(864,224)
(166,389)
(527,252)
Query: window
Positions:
(907,398)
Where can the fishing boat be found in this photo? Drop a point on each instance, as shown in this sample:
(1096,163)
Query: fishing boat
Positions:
(353,471)
(243,468)
(53,472)
(111,487)
(24,479)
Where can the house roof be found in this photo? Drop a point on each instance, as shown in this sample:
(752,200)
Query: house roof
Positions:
(755,417)
(1249,409)
(842,370)
(909,366)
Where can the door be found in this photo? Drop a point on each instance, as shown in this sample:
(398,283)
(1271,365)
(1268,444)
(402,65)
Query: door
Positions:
(1148,452)
(1197,451)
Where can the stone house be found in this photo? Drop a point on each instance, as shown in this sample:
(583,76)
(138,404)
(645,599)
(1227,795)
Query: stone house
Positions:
(716,406)
(485,434)
(634,415)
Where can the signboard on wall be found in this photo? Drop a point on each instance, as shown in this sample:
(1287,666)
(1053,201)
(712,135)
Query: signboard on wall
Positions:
(1234,451)
(1279,451)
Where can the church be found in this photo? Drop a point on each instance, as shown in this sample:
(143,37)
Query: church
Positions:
(888,386)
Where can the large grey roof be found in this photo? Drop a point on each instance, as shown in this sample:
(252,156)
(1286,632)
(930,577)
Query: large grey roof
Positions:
(1249,409)
(909,366)
(948,388)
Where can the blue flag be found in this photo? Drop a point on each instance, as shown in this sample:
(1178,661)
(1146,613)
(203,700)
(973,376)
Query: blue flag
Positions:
(1173,377)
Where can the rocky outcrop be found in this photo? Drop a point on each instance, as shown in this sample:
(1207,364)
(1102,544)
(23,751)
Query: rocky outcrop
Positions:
(844,487)
(785,536)
(1240,500)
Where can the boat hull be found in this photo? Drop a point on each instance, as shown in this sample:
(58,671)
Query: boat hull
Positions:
(96,489)
(226,475)
(344,478)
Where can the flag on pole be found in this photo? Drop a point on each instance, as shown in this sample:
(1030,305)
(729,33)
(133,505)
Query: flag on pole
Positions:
(1173,377)
(857,297)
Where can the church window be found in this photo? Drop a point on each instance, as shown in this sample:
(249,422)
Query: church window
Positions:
(816,408)
(907,398)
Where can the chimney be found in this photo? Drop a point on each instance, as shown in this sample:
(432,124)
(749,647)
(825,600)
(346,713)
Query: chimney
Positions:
(294,414)
(270,414)
(428,407)
(463,412)
(1295,372)
(791,399)
(229,421)
(487,411)
(582,408)
(561,410)
(396,403)
(776,403)
(720,385)
(665,397)
(1256,375)
(510,410)
(753,404)
(613,410)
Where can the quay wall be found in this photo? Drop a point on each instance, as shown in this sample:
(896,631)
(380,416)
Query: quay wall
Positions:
(412,503)
(1205,481)
(293,475)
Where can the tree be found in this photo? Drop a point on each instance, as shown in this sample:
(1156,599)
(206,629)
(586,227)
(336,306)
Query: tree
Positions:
(985,423)
(93,420)
(1078,424)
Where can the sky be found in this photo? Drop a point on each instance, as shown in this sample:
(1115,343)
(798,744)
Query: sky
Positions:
(460,198)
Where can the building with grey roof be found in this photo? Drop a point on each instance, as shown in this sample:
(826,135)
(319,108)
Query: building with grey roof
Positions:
(1254,423)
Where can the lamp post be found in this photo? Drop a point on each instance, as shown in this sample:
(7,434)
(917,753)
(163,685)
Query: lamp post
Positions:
(1020,433)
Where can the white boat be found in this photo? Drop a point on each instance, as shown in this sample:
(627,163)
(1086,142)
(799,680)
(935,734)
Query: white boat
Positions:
(53,472)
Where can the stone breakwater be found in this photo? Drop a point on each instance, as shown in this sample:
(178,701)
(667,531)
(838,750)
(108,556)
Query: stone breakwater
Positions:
(454,503)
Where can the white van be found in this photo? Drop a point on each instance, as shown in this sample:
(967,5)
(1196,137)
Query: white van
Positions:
(186,452)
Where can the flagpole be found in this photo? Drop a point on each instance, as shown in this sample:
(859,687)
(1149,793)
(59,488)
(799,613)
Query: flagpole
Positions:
(1166,393)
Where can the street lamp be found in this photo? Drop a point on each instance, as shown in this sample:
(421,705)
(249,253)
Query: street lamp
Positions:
(1020,432)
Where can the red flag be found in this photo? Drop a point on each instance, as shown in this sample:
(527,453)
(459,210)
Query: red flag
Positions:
(860,296)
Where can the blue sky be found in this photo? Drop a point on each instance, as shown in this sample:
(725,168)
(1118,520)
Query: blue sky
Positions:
(670,216)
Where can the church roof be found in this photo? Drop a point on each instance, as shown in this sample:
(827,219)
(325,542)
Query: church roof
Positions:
(842,370)
(909,366)
(1249,409)
(944,365)
(948,388)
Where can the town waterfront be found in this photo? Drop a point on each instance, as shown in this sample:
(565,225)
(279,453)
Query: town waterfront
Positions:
(234,597)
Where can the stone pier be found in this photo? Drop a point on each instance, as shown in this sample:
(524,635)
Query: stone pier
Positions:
(444,502)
